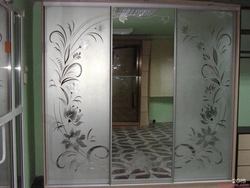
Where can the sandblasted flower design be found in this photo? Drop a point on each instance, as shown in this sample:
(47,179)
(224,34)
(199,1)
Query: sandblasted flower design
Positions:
(83,43)
(210,89)
(209,114)
(72,88)
(74,140)
(1,84)
(200,45)
(73,115)
(207,137)
(70,42)
(185,29)
(100,27)
(123,17)
(213,115)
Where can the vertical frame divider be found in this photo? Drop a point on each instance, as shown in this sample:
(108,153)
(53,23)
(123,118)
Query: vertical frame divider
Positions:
(236,94)
(174,94)
(13,103)
(110,96)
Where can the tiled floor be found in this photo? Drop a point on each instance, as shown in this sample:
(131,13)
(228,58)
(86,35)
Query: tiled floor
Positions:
(142,153)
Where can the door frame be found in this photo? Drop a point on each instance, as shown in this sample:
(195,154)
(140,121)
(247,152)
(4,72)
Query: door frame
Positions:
(15,110)
(138,65)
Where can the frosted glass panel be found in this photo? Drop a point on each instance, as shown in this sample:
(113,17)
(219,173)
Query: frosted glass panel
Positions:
(5,67)
(5,177)
(4,98)
(77,95)
(204,95)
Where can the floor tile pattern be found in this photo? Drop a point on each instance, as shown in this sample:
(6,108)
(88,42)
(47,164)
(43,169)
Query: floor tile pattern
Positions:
(142,153)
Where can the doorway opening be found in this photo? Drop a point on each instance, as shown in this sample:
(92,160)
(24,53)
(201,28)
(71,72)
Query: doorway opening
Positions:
(126,85)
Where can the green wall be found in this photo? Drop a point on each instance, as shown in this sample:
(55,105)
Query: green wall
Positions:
(32,61)
(244,93)
(28,115)
(161,109)
(37,77)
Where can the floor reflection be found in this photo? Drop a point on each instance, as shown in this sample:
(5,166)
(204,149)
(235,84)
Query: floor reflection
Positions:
(142,153)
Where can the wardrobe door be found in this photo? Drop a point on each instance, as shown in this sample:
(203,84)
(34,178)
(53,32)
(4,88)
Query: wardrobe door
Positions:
(77,95)
(206,70)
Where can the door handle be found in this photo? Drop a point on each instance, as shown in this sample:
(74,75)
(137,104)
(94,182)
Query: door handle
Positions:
(3,144)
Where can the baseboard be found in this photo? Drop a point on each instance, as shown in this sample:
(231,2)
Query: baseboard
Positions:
(38,182)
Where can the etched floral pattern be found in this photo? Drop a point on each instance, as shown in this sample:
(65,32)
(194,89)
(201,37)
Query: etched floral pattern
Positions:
(203,139)
(124,16)
(207,137)
(208,114)
(70,43)
(74,139)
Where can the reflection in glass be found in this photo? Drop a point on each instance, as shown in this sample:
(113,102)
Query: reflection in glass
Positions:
(245,14)
(5,64)
(125,60)
(125,84)
(244,87)
(125,105)
(17,60)
(142,152)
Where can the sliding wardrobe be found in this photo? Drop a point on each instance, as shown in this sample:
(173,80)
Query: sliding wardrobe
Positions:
(81,148)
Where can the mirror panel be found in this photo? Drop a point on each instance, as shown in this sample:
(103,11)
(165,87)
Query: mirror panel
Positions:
(144,150)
